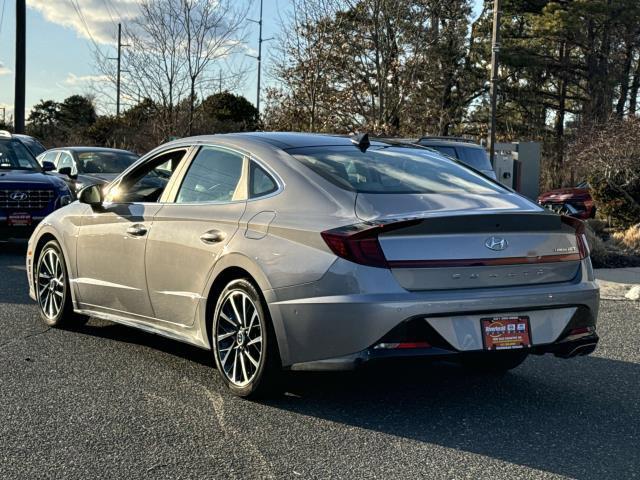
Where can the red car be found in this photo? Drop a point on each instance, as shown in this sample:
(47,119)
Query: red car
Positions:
(574,201)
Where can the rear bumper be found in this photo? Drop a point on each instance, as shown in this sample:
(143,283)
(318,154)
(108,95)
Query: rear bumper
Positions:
(326,327)
(562,349)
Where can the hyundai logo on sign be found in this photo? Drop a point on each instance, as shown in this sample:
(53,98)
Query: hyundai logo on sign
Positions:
(496,243)
(18,196)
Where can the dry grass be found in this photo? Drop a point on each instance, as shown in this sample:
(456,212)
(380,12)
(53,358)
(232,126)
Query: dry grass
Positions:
(621,249)
(629,239)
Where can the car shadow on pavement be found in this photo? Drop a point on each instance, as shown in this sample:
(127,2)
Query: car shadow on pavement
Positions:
(124,334)
(13,273)
(579,418)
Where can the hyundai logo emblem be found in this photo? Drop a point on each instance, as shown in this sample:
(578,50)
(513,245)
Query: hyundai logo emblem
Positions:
(18,196)
(496,243)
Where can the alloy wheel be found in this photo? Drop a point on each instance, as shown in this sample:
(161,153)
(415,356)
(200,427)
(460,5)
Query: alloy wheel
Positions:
(51,283)
(239,338)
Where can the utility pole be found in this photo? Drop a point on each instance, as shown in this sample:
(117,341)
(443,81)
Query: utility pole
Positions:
(259,57)
(118,80)
(4,114)
(495,50)
(118,59)
(21,27)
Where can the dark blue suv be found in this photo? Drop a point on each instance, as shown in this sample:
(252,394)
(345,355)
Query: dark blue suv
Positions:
(27,192)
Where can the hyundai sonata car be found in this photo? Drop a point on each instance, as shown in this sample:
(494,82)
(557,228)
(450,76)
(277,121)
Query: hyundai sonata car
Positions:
(285,251)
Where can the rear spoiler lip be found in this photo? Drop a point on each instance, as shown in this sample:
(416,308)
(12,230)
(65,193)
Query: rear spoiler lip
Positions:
(484,262)
(483,222)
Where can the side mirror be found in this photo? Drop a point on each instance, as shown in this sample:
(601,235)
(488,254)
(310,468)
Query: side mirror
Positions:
(91,195)
(48,166)
(67,171)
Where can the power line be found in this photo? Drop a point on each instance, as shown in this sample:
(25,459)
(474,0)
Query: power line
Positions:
(106,6)
(83,20)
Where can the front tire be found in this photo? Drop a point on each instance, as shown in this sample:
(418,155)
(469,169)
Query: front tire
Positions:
(52,288)
(244,342)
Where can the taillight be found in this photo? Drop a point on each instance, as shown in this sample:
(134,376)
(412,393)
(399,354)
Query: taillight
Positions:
(581,236)
(357,243)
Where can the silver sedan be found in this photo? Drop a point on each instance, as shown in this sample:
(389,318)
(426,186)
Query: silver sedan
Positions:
(297,251)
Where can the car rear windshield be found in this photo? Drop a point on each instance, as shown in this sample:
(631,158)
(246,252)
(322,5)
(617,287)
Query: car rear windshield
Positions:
(104,162)
(393,169)
(475,157)
(14,155)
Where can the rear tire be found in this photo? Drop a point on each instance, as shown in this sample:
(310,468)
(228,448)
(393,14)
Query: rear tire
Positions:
(244,342)
(493,362)
(52,288)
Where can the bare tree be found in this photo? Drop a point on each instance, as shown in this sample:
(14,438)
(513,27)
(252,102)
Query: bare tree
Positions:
(213,30)
(304,49)
(175,49)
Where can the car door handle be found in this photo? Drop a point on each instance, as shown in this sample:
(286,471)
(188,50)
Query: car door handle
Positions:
(212,236)
(137,230)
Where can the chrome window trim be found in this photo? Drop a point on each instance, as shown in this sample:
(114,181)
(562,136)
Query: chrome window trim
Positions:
(189,150)
(197,147)
(248,157)
(276,178)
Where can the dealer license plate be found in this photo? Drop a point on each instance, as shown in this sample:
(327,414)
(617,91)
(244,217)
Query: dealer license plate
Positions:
(506,333)
(19,219)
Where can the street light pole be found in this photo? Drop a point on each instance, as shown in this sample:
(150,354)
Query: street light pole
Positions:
(21,26)
(495,50)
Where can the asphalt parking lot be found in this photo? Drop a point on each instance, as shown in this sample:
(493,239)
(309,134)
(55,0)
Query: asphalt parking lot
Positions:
(108,401)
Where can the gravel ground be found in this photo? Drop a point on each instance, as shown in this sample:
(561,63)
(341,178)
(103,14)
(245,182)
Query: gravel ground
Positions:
(107,401)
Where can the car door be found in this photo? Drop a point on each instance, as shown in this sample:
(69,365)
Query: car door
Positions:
(190,232)
(112,238)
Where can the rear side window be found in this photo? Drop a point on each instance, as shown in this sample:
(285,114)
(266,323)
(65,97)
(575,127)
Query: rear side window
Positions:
(393,169)
(213,176)
(475,157)
(260,183)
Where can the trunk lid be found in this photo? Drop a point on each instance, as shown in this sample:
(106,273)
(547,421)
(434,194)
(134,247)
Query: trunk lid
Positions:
(471,241)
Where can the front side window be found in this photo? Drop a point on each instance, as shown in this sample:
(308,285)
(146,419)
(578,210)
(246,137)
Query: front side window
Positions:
(213,176)
(33,145)
(393,169)
(65,160)
(49,157)
(147,182)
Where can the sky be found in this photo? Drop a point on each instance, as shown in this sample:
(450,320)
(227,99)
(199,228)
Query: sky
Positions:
(60,51)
